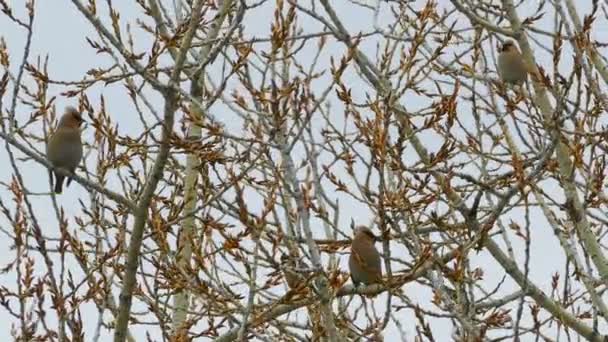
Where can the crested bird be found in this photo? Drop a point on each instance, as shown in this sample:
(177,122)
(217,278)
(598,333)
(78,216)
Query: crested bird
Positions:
(364,260)
(511,65)
(64,148)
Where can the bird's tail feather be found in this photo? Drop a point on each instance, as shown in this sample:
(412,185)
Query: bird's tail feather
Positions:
(58,183)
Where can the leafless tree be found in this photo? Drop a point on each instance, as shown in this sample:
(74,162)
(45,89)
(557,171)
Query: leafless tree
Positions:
(249,130)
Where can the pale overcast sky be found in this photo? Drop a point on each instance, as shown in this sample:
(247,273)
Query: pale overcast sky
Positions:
(60,31)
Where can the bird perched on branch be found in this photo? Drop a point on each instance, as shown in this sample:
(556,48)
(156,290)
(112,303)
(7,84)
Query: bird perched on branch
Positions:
(64,148)
(511,65)
(364,260)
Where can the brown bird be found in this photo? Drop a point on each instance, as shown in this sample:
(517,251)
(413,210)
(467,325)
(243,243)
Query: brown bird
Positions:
(511,65)
(294,278)
(364,260)
(64,147)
